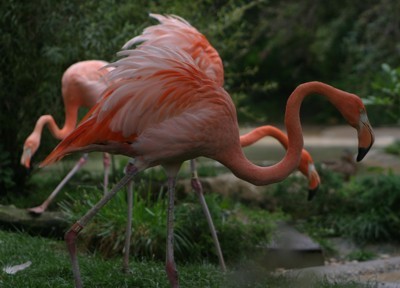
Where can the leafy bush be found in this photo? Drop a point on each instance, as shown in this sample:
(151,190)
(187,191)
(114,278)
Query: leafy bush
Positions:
(291,195)
(365,209)
(386,93)
(373,214)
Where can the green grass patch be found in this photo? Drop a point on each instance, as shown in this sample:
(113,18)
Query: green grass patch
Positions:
(51,268)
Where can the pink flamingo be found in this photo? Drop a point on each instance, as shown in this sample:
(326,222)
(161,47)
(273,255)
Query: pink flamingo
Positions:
(82,85)
(173,31)
(163,109)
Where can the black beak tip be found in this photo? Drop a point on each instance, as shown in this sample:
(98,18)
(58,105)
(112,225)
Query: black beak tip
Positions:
(362,152)
(311,193)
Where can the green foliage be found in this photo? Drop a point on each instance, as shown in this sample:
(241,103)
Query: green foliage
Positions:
(373,213)
(365,209)
(393,148)
(240,229)
(386,86)
(293,190)
(361,255)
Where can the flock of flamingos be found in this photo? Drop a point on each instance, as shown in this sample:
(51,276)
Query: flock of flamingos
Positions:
(163,103)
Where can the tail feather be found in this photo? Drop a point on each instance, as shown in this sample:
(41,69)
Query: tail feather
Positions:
(73,142)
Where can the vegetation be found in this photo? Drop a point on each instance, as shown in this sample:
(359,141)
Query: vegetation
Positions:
(386,96)
(241,230)
(363,209)
(51,268)
(393,148)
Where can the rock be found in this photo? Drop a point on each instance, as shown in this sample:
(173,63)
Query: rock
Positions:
(48,223)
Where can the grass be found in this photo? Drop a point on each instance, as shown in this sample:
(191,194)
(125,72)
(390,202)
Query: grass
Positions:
(51,268)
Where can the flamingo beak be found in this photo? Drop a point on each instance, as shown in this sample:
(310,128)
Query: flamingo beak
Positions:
(365,136)
(26,157)
(314,181)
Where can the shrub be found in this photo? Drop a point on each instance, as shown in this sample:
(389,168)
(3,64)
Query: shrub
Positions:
(373,213)
(291,195)
(240,229)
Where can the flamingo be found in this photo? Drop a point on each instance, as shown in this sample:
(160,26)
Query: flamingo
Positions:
(163,109)
(82,85)
(174,31)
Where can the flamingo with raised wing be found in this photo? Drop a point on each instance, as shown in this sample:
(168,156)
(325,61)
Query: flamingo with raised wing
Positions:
(175,32)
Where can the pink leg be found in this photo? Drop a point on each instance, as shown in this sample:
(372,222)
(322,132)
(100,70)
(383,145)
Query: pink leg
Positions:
(128,231)
(198,188)
(72,233)
(170,266)
(41,208)
(106,164)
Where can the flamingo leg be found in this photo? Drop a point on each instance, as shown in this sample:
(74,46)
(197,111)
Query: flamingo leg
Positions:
(42,207)
(170,265)
(128,231)
(72,233)
(106,164)
(198,188)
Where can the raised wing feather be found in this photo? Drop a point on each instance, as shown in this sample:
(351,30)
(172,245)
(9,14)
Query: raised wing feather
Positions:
(175,32)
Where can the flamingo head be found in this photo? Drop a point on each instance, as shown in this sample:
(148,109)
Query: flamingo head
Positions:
(365,135)
(31,145)
(355,113)
(307,168)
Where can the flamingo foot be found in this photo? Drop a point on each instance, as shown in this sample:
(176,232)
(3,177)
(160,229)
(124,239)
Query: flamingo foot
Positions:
(38,210)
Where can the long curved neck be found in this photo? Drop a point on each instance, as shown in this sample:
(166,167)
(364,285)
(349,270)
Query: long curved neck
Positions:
(263,131)
(71,116)
(235,160)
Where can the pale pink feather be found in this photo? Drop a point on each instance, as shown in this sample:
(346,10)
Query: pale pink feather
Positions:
(177,33)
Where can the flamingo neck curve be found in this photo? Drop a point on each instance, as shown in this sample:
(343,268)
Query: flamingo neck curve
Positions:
(234,158)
